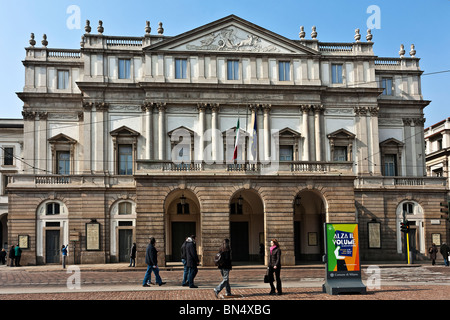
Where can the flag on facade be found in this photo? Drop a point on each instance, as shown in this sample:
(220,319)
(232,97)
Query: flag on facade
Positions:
(237,141)
(254,138)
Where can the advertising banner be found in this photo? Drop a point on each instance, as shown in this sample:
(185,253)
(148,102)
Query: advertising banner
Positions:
(342,247)
(343,269)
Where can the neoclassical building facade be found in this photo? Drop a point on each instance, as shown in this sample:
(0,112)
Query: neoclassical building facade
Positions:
(228,130)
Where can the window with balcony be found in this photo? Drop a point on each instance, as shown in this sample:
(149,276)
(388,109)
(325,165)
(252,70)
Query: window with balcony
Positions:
(286,153)
(391,157)
(63,162)
(341,145)
(180,68)
(284,71)
(232,70)
(125,144)
(124,68)
(63,153)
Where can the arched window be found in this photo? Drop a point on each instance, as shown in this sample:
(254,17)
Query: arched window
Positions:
(52,208)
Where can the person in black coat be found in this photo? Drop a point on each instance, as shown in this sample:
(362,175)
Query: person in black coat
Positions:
(12,255)
(225,268)
(192,260)
(275,266)
(133,255)
(151,259)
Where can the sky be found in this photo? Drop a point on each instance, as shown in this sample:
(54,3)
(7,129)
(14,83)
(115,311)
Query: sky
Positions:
(394,22)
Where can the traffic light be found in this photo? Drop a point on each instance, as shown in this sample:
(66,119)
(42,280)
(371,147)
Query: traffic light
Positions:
(444,209)
(404,226)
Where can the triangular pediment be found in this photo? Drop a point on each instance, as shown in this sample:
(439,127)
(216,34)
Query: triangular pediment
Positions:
(124,131)
(231,34)
(391,142)
(288,132)
(62,138)
(342,134)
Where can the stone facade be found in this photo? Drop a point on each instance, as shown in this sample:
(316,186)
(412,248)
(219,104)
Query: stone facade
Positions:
(138,138)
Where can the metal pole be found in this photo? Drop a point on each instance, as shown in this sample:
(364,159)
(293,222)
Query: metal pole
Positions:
(407,246)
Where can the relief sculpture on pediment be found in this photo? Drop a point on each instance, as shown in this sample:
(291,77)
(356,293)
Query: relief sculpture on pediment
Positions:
(228,39)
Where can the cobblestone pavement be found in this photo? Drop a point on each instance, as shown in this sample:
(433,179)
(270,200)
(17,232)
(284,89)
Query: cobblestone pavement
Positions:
(119,282)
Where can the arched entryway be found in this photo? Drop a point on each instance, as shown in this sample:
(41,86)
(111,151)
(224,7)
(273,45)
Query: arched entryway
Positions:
(309,217)
(182,220)
(247,227)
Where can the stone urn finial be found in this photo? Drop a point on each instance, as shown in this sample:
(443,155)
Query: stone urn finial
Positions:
(369,35)
(44,40)
(100,28)
(302,32)
(412,53)
(357,35)
(147,27)
(160,29)
(402,51)
(32,41)
(88,28)
(314,32)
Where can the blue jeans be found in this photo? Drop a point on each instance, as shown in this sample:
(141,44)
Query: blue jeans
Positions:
(148,275)
(191,275)
(225,282)
(185,273)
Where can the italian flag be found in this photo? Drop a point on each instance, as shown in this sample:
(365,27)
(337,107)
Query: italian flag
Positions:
(237,141)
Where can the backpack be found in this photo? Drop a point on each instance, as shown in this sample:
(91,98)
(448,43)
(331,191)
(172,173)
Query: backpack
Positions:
(218,259)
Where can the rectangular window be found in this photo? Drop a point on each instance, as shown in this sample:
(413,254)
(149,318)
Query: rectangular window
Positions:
(232,70)
(124,68)
(180,68)
(386,84)
(284,70)
(125,160)
(63,79)
(408,208)
(8,156)
(63,166)
(340,154)
(286,153)
(125,208)
(336,73)
(390,165)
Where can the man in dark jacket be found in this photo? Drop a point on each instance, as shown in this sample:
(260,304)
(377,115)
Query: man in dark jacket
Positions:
(192,260)
(184,282)
(445,251)
(151,259)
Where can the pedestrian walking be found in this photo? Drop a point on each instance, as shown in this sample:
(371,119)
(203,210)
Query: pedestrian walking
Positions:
(184,282)
(3,256)
(192,260)
(12,256)
(18,254)
(64,249)
(151,259)
(225,267)
(275,266)
(133,255)
(433,251)
(445,251)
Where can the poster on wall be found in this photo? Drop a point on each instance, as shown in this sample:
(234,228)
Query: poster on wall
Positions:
(343,269)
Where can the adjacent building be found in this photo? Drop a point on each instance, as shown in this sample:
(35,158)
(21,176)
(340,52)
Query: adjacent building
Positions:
(228,130)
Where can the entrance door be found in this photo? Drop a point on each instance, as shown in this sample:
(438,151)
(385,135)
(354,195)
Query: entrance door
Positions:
(239,241)
(125,242)
(180,230)
(52,248)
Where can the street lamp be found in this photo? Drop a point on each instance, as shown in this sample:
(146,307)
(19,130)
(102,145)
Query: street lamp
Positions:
(183,199)
(297,200)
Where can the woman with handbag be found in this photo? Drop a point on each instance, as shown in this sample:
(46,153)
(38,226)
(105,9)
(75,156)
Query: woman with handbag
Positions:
(275,266)
(225,267)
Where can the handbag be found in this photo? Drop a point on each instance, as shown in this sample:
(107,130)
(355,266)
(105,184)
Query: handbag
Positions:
(266,276)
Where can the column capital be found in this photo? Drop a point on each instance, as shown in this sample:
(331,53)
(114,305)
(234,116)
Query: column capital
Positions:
(318,108)
(305,108)
(360,111)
